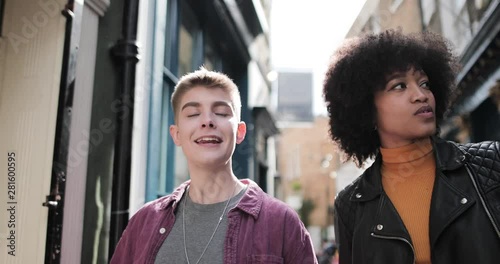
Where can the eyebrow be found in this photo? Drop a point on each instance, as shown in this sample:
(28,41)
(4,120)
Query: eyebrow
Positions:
(190,104)
(221,103)
(395,75)
(196,104)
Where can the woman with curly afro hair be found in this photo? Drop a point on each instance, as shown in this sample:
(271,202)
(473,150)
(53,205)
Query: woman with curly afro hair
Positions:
(424,199)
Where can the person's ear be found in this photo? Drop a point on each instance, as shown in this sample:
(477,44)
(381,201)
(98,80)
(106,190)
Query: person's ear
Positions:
(241,132)
(375,121)
(174,133)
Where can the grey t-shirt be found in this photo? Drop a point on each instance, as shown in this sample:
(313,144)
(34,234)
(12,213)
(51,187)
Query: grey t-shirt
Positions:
(201,220)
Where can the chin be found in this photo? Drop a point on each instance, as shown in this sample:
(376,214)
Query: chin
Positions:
(214,161)
(426,133)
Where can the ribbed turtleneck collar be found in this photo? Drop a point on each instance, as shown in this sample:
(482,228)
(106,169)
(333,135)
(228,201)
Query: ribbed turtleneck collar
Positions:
(409,153)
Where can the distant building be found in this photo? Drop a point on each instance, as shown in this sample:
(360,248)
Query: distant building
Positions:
(307,161)
(295,96)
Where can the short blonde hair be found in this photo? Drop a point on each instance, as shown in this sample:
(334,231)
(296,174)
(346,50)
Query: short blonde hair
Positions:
(208,79)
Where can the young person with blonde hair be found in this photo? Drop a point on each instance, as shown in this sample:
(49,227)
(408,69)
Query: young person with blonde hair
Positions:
(214,217)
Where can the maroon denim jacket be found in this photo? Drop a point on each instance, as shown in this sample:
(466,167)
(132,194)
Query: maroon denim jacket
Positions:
(261,229)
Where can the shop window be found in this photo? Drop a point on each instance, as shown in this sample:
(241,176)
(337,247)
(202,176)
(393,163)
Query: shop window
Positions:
(185,51)
(161,149)
(190,41)
(211,59)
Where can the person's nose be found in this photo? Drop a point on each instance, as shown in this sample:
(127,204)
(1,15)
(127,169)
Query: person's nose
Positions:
(419,94)
(209,124)
(208,121)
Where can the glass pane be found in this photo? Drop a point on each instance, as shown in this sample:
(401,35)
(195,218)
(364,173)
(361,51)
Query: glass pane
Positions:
(188,39)
(185,51)
(211,58)
(162,181)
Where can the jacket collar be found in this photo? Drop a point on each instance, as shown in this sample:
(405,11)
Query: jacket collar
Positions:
(448,155)
(251,202)
(174,198)
(369,185)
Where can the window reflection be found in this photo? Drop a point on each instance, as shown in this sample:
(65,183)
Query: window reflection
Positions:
(211,58)
(185,50)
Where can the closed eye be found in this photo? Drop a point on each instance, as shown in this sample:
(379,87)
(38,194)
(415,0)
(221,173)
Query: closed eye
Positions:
(222,114)
(193,115)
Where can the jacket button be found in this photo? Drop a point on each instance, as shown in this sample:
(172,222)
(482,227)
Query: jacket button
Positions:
(162,230)
(463,201)
(359,195)
(380,227)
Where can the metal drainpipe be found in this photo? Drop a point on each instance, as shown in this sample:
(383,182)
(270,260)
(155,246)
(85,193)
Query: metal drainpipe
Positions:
(125,52)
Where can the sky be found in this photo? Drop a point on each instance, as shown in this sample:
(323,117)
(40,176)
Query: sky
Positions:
(305,33)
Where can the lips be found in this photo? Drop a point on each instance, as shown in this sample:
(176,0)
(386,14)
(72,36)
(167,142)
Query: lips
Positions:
(208,139)
(424,109)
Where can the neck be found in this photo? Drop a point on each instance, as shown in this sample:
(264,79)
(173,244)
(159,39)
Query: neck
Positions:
(389,143)
(213,188)
(413,159)
(207,172)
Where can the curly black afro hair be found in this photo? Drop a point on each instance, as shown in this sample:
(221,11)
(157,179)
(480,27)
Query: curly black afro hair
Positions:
(360,67)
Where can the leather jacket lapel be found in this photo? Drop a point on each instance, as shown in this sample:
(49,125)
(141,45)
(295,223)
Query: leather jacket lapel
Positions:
(369,186)
(448,203)
(387,223)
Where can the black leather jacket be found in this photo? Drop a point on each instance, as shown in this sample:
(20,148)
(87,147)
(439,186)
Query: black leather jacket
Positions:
(464,214)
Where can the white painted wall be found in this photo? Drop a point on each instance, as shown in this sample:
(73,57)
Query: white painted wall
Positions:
(144,79)
(31,51)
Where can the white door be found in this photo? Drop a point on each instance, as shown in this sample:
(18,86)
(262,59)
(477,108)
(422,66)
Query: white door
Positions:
(31,53)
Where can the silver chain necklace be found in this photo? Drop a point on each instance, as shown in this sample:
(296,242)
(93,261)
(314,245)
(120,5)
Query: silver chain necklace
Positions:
(216,227)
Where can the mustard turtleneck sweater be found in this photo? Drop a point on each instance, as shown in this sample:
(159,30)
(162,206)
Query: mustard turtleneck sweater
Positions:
(408,174)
